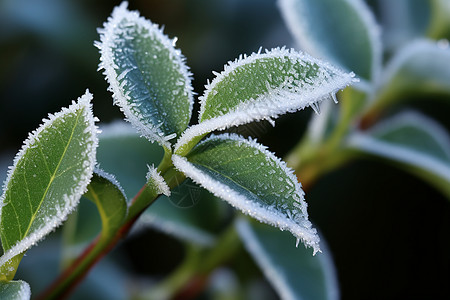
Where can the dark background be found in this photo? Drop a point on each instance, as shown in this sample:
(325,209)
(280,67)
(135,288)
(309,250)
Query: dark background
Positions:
(389,232)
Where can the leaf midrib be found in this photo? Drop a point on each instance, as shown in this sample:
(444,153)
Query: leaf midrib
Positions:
(52,178)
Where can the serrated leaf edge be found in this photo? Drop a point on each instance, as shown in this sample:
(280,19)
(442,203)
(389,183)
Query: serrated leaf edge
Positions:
(71,201)
(148,130)
(303,232)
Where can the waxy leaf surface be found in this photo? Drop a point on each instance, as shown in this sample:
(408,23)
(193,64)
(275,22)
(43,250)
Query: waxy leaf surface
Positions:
(49,175)
(147,75)
(252,179)
(343,32)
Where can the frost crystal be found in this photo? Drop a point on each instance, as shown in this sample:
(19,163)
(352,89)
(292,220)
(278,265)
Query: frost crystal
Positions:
(111,178)
(20,290)
(155,180)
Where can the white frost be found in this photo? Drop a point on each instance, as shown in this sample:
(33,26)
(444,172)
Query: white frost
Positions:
(23,293)
(111,178)
(108,38)
(286,98)
(155,180)
(298,225)
(71,199)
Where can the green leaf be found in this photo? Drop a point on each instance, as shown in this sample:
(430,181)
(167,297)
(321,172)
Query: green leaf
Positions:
(106,192)
(415,142)
(343,32)
(49,175)
(263,86)
(293,272)
(15,290)
(148,77)
(420,68)
(190,213)
(252,179)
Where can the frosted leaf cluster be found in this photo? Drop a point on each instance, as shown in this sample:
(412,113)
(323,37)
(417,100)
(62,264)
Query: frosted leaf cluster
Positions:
(67,180)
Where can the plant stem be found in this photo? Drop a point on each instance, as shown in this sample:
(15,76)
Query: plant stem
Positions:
(69,279)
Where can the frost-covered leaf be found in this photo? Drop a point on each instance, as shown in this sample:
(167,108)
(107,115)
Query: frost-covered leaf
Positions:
(421,67)
(190,213)
(343,32)
(105,191)
(49,175)
(419,144)
(293,272)
(147,75)
(15,290)
(263,86)
(252,179)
